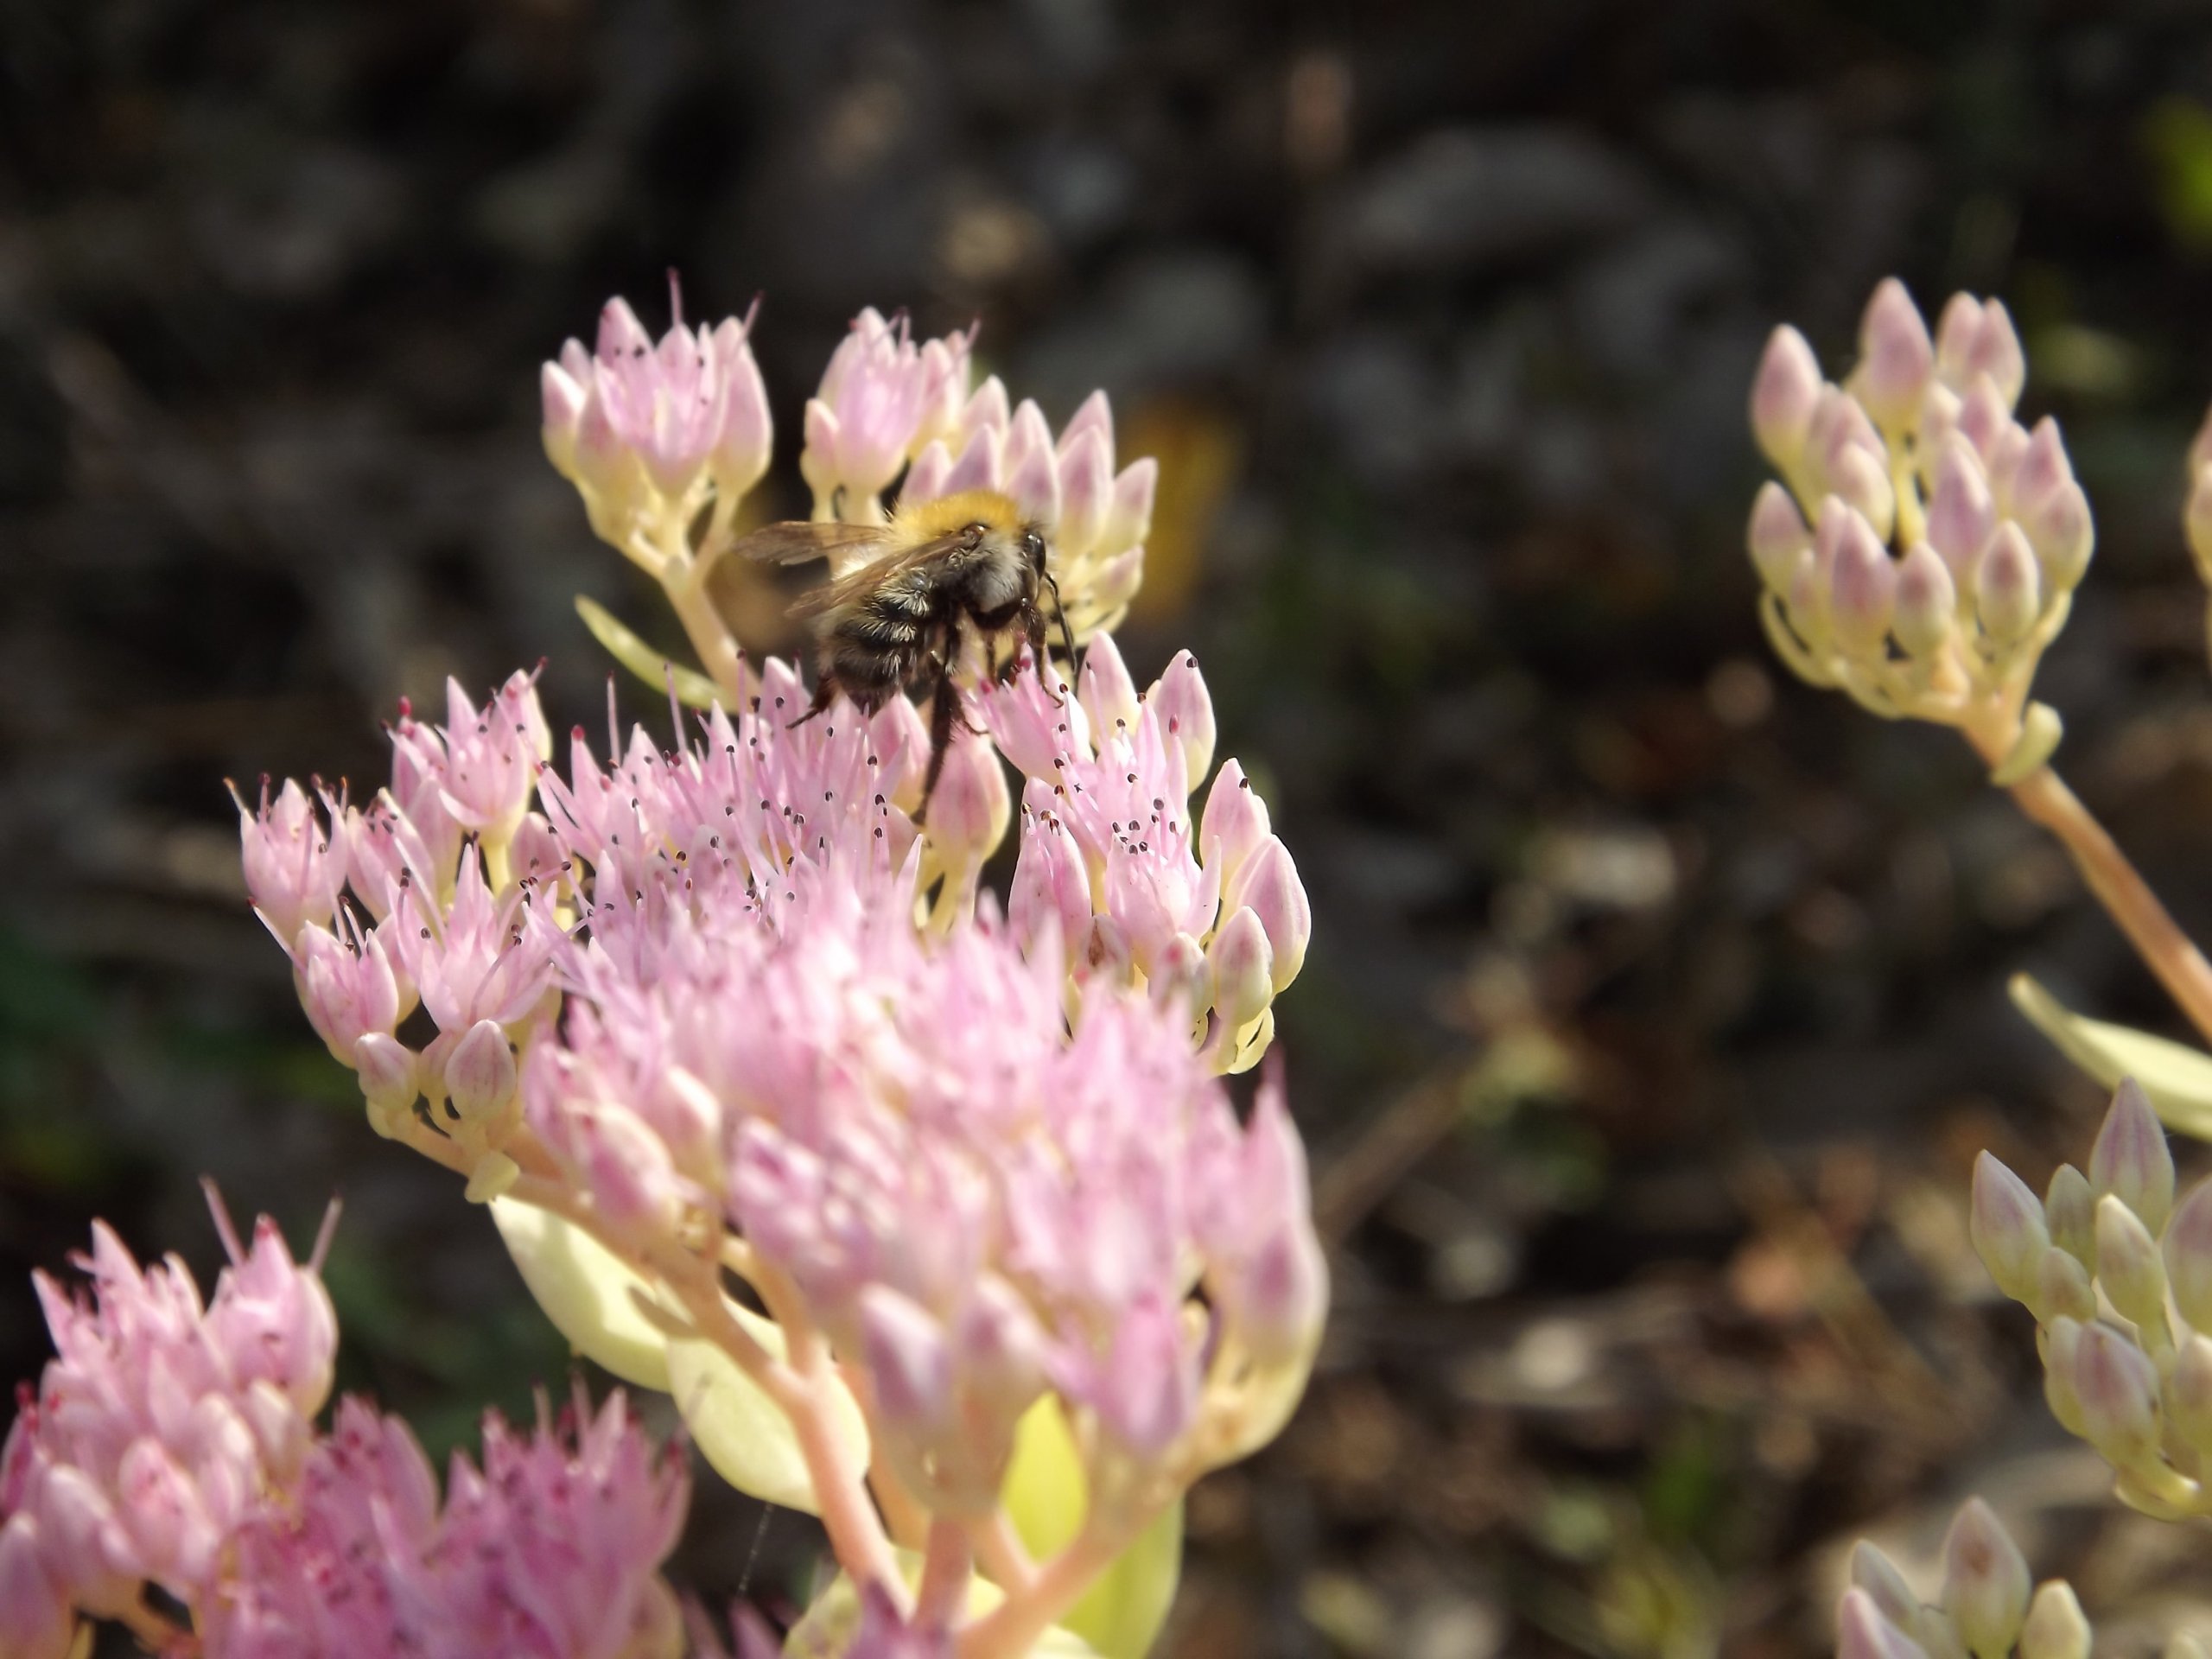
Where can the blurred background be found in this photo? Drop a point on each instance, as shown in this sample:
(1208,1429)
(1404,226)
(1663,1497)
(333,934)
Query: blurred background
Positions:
(1655,1008)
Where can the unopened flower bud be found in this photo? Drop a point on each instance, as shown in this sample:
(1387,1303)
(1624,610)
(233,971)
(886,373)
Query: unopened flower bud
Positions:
(2117,1388)
(1235,823)
(1147,1388)
(1859,477)
(2189,1393)
(2061,1342)
(2069,1208)
(1242,964)
(1777,533)
(2055,1627)
(1269,886)
(1895,356)
(968,815)
(2188,1244)
(909,1363)
(2063,535)
(2128,1269)
(2063,1287)
(480,1075)
(2008,587)
(386,1069)
(1961,513)
(1783,395)
(1862,1632)
(2007,1227)
(33,1610)
(1984,1581)
(2130,1160)
(1183,707)
(1927,601)
(1862,589)
(1876,1574)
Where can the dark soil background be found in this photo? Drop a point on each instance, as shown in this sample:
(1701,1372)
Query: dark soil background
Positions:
(1656,1006)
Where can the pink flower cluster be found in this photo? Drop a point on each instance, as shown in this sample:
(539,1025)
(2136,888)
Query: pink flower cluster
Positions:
(171,1442)
(1918,447)
(633,417)
(888,406)
(552,1551)
(991,1155)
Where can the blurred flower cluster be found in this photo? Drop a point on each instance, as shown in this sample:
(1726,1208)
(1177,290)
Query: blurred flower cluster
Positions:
(1920,554)
(1015,1271)
(171,1444)
(2119,1277)
(1987,1606)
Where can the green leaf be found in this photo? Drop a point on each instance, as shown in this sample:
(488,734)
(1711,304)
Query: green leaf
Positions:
(585,1289)
(741,1431)
(1046,1497)
(2176,1077)
(693,689)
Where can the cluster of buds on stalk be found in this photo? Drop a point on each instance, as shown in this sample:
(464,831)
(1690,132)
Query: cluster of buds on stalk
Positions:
(171,1444)
(2119,1276)
(1018,1270)
(1987,1606)
(1924,547)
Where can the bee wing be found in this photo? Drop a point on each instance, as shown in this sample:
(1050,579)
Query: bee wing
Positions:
(856,585)
(797,542)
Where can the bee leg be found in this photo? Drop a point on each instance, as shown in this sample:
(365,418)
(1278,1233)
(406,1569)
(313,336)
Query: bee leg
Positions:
(825,693)
(944,709)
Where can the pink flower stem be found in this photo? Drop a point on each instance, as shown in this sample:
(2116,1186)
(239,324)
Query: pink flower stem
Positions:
(2127,898)
(946,1568)
(1013,1628)
(1000,1550)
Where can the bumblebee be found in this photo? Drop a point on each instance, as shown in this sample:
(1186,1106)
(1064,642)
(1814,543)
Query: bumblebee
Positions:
(914,593)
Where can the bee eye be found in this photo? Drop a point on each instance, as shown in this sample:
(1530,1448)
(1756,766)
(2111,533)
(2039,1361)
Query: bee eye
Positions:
(1033,545)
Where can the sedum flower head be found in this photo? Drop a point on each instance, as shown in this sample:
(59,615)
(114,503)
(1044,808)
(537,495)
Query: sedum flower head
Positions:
(171,1443)
(1987,1606)
(1923,547)
(646,431)
(2119,1276)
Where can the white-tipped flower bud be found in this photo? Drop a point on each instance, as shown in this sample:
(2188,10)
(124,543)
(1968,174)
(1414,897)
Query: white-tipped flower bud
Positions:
(2069,1208)
(1956,330)
(2055,1628)
(1783,395)
(1862,589)
(2189,1255)
(2008,587)
(2007,1227)
(2130,1160)
(1984,1581)
(1896,357)
(1861,477)
(1777,533)
(2128,1269)
(1996,352)
(1927,601)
